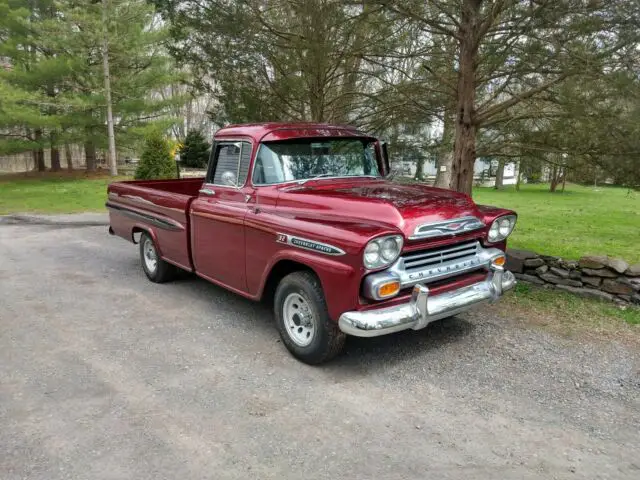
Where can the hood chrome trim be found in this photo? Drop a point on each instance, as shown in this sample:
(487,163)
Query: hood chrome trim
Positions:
(454,226)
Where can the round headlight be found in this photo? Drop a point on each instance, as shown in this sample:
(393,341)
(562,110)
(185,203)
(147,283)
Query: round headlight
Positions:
(494,232)
(501,228)
(390,249)
(383,251)
(505,227)
(372,254)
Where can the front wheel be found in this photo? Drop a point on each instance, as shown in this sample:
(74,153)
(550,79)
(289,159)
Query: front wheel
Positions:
(303,320)
(155,268)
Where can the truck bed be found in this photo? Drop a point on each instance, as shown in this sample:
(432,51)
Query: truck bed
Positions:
(185,186)
(160,207)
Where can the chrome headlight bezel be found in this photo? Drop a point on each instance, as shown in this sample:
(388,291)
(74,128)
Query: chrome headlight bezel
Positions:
(373,256)
(501,228)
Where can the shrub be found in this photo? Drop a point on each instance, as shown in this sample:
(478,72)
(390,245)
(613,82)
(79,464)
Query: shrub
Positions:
(194,152)
(155,161)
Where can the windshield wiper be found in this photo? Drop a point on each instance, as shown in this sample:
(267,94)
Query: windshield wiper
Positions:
(327,175)
(302,182)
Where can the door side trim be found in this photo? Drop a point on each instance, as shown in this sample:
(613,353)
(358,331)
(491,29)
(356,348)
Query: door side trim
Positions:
(221,218)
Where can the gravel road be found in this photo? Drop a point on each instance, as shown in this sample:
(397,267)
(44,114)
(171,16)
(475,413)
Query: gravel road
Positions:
(104,375)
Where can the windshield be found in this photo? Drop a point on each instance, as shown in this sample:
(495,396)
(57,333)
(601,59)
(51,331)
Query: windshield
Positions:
(303,159)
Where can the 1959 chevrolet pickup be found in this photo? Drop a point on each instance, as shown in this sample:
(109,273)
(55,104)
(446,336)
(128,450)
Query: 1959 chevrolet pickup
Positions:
(308,217)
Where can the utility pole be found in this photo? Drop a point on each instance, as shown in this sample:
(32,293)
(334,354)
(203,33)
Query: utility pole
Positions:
(113,167)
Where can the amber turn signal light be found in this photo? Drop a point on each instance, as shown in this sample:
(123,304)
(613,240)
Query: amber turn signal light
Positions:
(388,289)
(499,261)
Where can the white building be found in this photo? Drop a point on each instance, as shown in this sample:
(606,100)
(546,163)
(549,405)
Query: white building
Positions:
(484,171)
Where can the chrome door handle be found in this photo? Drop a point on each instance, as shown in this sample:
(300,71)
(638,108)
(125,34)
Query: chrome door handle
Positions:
(207,191)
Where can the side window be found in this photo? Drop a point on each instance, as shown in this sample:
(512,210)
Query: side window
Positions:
(268,168)
(231,163)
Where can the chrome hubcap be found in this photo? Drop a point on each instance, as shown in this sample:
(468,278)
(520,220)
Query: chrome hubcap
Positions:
(150,255)
(298,319)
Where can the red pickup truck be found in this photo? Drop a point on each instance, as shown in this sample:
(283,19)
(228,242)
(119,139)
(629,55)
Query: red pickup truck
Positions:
(308,217)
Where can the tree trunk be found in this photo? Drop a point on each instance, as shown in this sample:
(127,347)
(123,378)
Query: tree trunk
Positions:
(419,169)
(554,179)
(352,65)
(112,156)
(55,159)
(466,129)
(445,156)
(564,178)
(68,155)
(90,156)
(38,160)
(38,153)
(55,153)
(445,153)
(519,177)
(499,175)
(444,166)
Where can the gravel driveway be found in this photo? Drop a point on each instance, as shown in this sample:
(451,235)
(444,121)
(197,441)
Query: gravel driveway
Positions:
(104,375)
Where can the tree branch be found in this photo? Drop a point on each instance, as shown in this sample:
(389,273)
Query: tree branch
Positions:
(501,107)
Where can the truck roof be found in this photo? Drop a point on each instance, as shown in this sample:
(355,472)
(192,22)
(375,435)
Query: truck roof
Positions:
(271,131)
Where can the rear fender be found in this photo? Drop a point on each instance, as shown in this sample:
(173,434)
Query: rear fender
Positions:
(166,225)
(140,228)
(126,227)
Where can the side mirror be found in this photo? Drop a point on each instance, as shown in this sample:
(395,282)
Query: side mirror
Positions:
(229,178)
(385,157)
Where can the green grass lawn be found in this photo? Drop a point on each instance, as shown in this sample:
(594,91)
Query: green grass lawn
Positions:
(52,193)
(580,221)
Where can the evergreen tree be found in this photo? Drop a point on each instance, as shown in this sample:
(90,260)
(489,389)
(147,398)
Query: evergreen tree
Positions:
(156,161)
(52,77)
(28,77)
(140,70)
(194,152)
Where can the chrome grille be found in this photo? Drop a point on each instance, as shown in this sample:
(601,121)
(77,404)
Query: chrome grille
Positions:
(440,256)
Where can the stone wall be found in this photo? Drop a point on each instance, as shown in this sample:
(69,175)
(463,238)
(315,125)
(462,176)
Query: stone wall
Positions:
(599,277)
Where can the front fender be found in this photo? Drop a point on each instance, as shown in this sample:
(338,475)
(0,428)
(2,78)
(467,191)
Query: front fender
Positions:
(490,213)
(340,281)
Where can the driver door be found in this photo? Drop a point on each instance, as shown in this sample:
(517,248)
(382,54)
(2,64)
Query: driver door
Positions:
(217,217)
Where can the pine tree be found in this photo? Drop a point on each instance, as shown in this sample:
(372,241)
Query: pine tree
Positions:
(140,70)
(156,161)
(28,77)
(52,77)
(194,152)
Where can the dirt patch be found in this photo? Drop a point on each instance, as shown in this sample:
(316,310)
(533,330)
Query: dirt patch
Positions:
(570,316)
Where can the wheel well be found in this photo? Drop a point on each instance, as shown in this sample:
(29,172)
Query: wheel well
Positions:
(134,232)
(277,273)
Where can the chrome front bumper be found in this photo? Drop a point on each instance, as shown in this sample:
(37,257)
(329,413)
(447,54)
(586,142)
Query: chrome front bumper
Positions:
(423,309)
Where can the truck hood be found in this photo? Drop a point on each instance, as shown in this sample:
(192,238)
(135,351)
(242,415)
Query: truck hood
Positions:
(403,206)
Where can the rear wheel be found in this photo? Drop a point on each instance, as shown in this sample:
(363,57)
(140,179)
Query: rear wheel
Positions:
(303,320)
(155,268)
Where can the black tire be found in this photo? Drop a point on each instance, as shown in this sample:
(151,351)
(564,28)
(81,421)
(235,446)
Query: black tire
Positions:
(327,339)
(163,271)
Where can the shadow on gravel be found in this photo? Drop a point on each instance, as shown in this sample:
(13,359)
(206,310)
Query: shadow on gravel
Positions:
(189,285)
(364,354)
(360,354)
